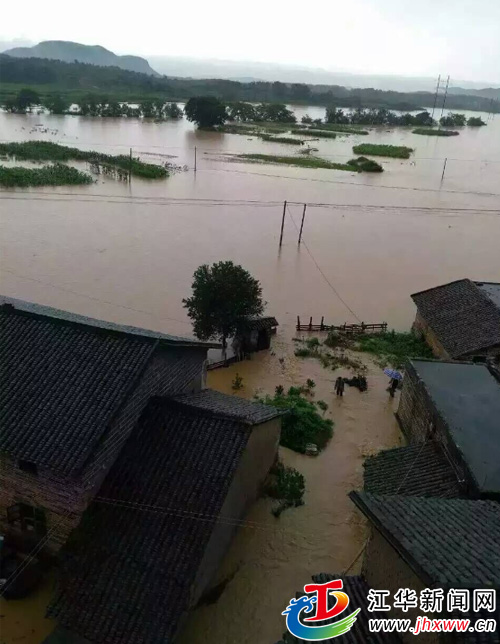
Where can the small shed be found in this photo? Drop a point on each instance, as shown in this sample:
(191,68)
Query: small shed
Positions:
(457,405)
(418,543)
(255,333)
(460,320)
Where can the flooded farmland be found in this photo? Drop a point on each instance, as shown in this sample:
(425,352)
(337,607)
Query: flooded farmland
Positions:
(127,252)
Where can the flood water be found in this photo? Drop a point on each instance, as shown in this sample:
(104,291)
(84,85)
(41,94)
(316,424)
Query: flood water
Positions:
(127,253)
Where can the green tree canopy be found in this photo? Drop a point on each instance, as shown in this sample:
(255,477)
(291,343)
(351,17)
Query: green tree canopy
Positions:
(224,294)
(25,98)
(56,104)
(205,111)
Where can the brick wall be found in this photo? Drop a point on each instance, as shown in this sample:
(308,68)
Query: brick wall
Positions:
(420,420)
(422,329)
(64,499)
(384,569)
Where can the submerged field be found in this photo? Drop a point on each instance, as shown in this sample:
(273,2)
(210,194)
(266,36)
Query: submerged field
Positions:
(48,151)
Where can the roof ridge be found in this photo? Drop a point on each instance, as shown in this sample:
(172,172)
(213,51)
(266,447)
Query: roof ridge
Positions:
(44,312)
(435,288)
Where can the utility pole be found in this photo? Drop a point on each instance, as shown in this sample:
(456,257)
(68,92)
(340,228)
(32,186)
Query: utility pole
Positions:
(195,158)
(436,95)
(282,223)
(302,222)
(445,95)
(130,167)
(444,169)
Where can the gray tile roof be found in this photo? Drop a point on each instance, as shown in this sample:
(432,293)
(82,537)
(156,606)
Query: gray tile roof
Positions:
(492,290)
(448,542)
(61,385)
(48,311)
(356,588)
(463,317)
(127,573)
(230,406)
(467,397)
(259,323)
(414,470)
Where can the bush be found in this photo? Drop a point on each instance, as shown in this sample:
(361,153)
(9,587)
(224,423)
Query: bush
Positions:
(475,121)
(286,485)
(303,424)
(366,165)
(393,348)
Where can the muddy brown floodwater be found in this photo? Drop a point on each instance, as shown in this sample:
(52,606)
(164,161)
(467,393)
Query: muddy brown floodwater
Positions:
(126,253)
(274,558)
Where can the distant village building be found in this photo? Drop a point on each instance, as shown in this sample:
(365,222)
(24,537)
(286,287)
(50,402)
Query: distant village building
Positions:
(454,408)
(419,543)
(460,320)
(108,436)
(255,333)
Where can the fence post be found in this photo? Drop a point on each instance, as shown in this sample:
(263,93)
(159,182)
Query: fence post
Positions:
(322,323)
(310,323)
(298,323)
(195,158)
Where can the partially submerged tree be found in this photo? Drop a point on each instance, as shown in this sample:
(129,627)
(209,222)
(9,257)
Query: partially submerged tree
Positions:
(56,104)
(224,294)
(205,111)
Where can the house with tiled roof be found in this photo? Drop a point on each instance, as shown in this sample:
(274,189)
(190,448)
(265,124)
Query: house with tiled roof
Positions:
(117,461)
(421,469)
(451,410)
(418,543)
(460,320)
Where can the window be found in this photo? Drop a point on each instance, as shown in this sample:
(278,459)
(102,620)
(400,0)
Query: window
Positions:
(28,466)
(26,518)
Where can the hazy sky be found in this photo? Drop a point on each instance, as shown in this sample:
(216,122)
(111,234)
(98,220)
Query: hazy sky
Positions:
(410,37)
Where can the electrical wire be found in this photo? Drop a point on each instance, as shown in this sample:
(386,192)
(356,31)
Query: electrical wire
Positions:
(332,287)
(166,201)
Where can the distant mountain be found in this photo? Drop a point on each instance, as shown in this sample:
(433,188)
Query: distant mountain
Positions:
(69,52)
(487,92)
(251,71)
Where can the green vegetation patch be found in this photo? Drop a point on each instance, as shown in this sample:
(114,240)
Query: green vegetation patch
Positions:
(303,424)
(392,348)
(281,139)
(430,131)
(395,151)
(366,165)
(287,486)
(56,174)
(313,348)
(302,162)
(320,134)
(47,151)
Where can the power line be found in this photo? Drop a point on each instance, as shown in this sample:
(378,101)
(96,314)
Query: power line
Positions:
(167,201)
(332,287)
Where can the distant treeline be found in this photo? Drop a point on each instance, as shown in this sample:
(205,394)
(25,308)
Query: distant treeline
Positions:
(77,79)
